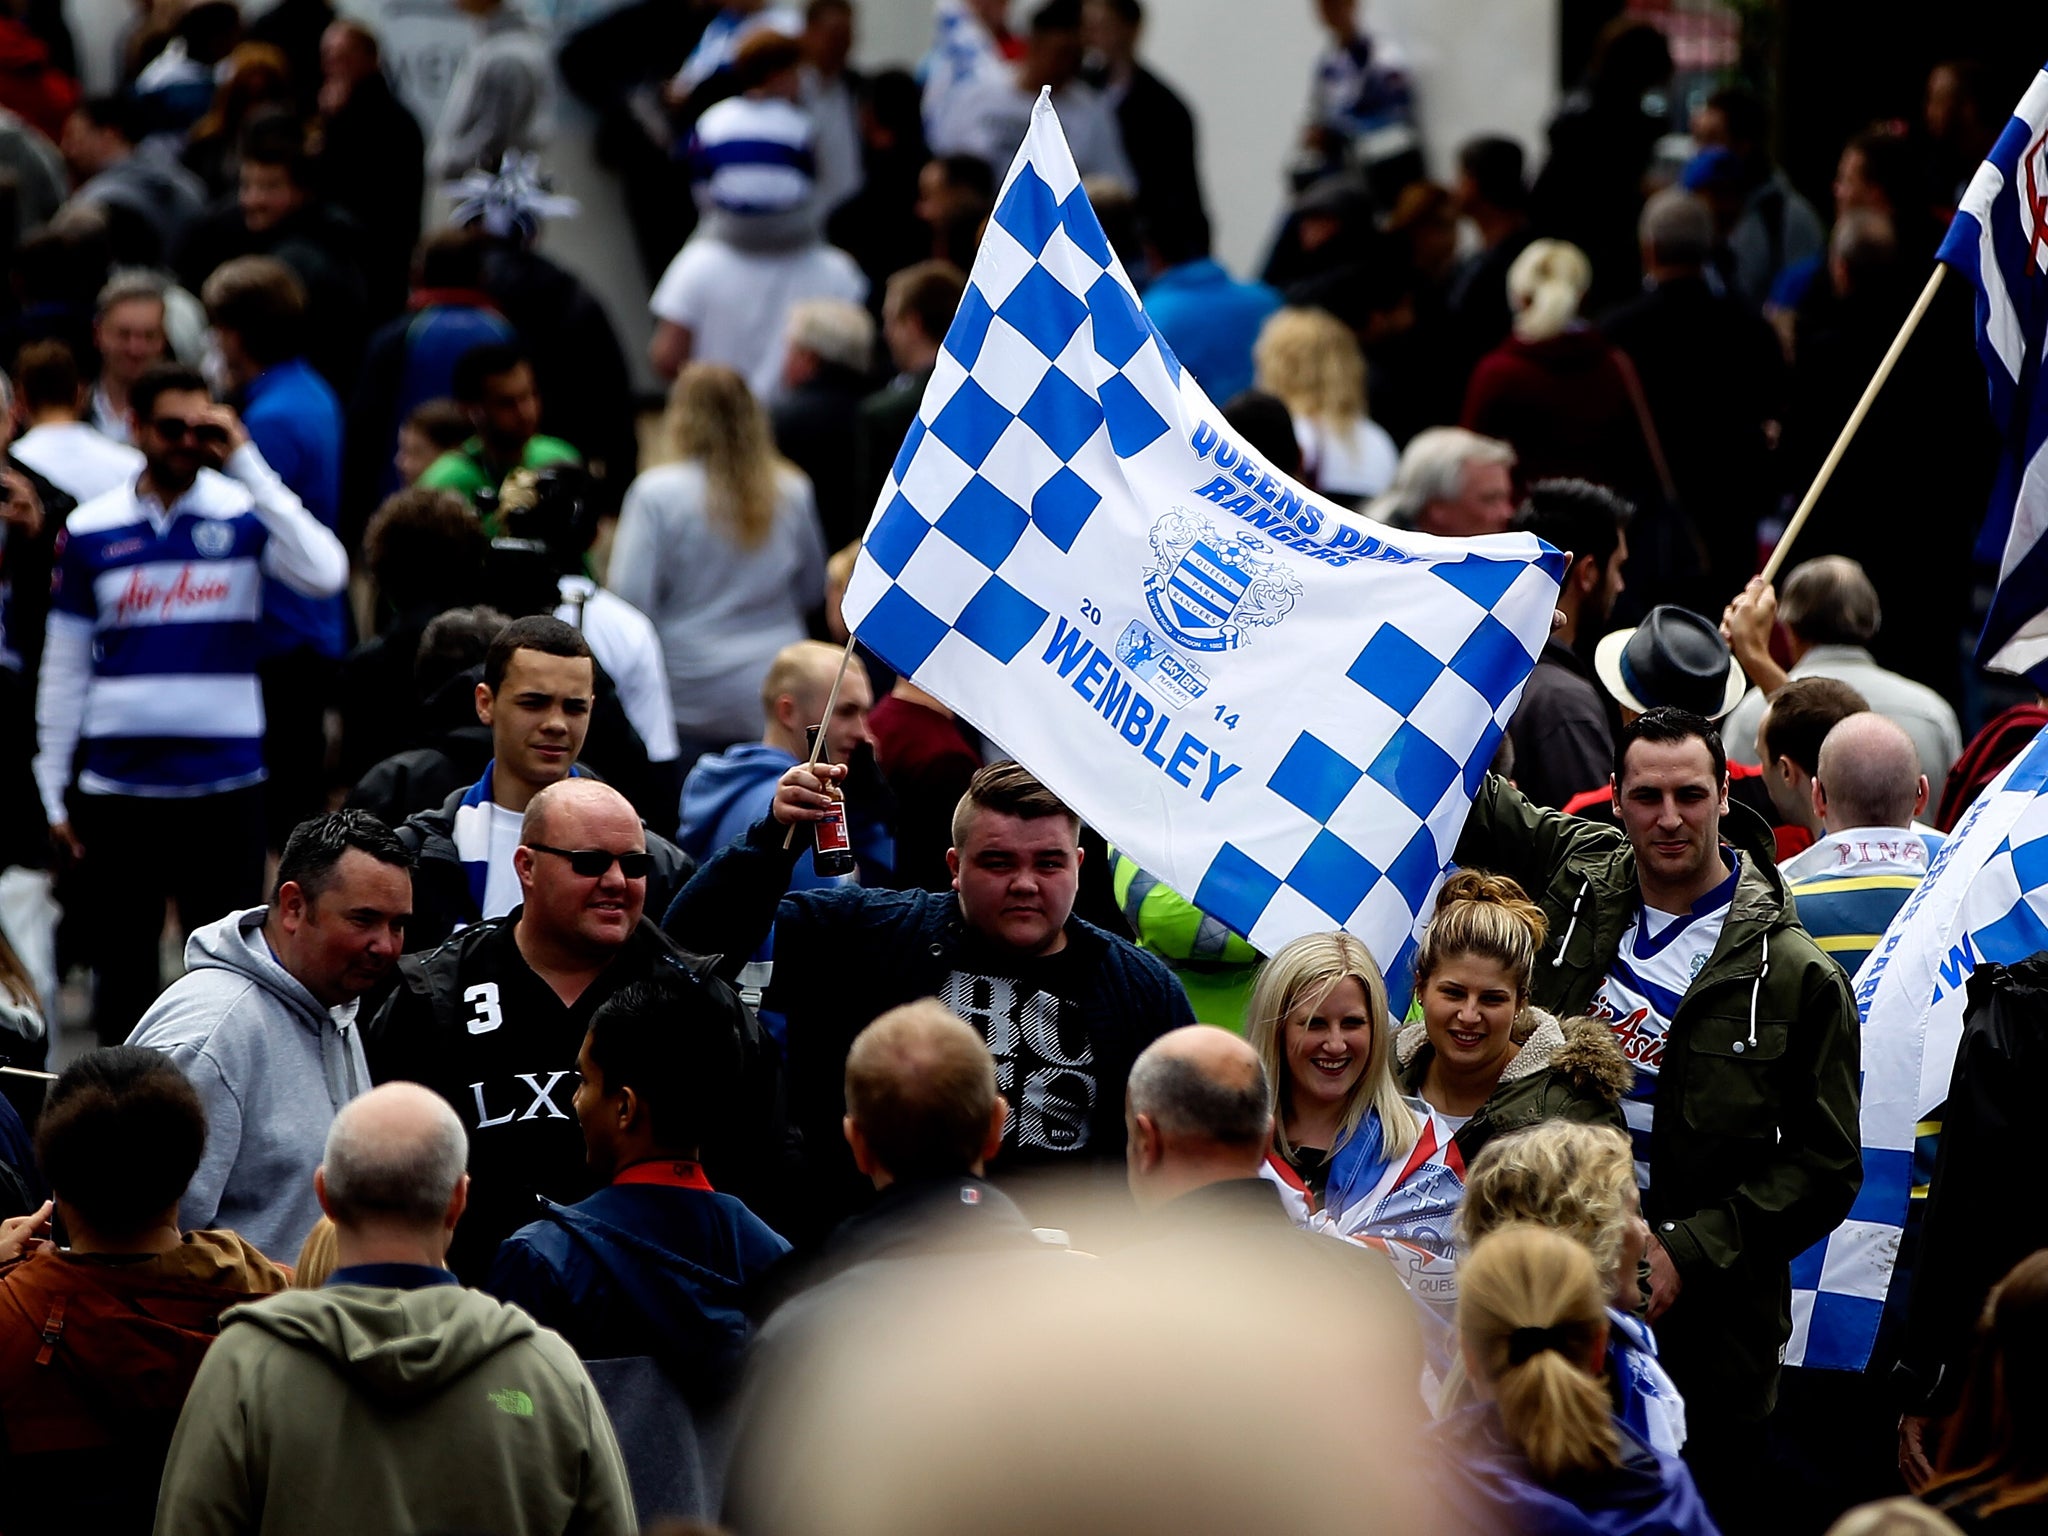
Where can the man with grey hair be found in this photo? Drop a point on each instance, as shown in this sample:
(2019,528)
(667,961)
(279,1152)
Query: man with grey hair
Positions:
(1452,483)
(432,1381)
(1198,1124)
(1713,377)
(130,331)
(1831,613)
(828,357)
(1867,790)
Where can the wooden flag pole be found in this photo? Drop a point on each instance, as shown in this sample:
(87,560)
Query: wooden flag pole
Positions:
(831,703)
(1855,421)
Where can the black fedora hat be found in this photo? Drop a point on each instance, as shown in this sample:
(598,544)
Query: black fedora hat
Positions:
(1673,659)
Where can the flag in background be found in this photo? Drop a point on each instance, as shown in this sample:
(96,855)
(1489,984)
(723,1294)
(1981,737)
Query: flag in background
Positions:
(1999,241)
(1275,705)
(1984,899)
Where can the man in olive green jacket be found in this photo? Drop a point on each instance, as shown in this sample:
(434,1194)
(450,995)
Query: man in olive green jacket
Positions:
(1746,1098)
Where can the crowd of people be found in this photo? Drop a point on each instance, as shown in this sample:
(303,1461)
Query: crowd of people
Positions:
(619,1019)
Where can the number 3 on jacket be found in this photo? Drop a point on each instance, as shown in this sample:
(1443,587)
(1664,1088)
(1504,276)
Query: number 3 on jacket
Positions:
(488,1015)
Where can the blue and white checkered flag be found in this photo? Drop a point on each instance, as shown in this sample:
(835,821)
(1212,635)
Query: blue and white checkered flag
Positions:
(1273,704)
(1984,899)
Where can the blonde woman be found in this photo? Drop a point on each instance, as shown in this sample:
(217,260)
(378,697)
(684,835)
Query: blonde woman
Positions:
(1312,362)
(1580,1180)
(1480,1055)
(1565,400)
(1542,1449)
(723,551)
(1351,1156)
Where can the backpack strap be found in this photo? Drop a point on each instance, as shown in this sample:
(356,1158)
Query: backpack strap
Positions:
(53,1331)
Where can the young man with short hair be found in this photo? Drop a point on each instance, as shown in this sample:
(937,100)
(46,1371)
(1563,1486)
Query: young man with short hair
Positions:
(264,1023)
(1064,1007)
(1678,930)
(1789,734)
(538,688)
(494,383)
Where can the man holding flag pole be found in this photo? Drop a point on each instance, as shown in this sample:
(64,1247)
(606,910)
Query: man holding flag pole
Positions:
(1258,695)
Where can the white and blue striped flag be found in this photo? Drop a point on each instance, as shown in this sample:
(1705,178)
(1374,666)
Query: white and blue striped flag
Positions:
(1999,240)
(1273,704)
(1984,899)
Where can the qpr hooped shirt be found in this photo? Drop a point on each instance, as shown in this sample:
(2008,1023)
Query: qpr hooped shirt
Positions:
(1659,956)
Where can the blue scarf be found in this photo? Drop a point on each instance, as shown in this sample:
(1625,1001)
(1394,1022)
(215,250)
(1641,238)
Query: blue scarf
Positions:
(1356,1165)
(472,832)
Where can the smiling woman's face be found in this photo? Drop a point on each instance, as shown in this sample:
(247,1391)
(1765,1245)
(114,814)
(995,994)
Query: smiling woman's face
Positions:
(1469,1005)
(1327,1045)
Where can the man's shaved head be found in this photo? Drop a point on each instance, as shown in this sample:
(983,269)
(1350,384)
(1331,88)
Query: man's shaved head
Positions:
(921,1091)
(567,801)
(1869,772)
(1202,1083)
(394,1156)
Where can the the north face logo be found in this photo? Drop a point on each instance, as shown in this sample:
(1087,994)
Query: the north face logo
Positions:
(513,1401)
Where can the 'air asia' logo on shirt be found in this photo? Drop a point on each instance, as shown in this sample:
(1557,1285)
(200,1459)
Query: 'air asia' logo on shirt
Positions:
(143,597)
(1641,1038)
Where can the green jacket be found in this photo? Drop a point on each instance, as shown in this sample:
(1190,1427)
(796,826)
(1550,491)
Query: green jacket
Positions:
(1754,1149)
(463,471)
(1569,1071)
(363,1408)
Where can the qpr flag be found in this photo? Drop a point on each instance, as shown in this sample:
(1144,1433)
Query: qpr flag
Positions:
(1277,706)
(1999,242)
(1984,899)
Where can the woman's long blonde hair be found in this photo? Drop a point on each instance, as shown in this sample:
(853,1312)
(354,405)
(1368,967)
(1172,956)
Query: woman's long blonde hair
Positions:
(1545,286)
(1530,1306)
(1571,1178)
(1312,362)
(715,422)
(1300,976)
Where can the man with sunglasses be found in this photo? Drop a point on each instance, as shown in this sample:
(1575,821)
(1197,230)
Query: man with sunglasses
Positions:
(492,1020)
(149,681)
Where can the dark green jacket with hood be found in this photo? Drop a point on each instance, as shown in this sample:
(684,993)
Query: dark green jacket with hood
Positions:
(1573,1070)
(1754,1151)
(361,1408)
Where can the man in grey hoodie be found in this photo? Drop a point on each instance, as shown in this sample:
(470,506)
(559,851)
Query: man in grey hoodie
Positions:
(392,1399)
(263,1023)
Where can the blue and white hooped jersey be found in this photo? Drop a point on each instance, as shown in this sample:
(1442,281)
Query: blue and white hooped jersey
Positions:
(755,157)
(173,602)
(1659,956)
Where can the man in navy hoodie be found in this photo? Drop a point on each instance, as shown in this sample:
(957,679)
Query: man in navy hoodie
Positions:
(1064,1007)
(657,1262)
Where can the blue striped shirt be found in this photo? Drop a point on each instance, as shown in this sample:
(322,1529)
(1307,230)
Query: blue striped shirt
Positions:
(1850,885)
(755,156)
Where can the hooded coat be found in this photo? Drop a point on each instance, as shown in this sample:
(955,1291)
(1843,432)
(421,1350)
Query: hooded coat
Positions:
(1574,1070)
(1754,1149)
(270,1065)
(96,1356)
(363,1408)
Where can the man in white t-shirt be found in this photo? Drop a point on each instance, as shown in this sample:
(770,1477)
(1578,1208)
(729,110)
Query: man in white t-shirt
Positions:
(719,304)
(538,689)
(988,114)
(77,458)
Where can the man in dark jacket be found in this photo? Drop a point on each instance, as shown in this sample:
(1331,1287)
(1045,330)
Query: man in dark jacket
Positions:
(1157,129)
(493,1020)
(538,690)
(816,416)
(1064,1007)
(657,1262)
(1744,1039)
(372,159)
(1563,738)
(917,311)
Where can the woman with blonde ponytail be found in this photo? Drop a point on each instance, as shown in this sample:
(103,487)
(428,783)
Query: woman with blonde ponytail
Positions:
(1567,401)
(723,550)
(1542,1450)
(1481,1056)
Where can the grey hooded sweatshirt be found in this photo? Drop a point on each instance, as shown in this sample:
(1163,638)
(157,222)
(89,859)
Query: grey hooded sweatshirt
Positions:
(363,1408)
(271,1066)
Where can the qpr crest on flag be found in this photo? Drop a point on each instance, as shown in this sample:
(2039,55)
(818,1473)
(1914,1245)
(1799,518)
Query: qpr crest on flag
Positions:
(1271,703)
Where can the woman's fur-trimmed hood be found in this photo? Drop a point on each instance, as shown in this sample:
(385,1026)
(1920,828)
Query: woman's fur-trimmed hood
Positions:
(1584,1049)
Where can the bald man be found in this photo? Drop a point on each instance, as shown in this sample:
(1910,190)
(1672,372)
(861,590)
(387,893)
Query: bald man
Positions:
(1867,790)
(492,1021)
(482,1385)
(1198,1124)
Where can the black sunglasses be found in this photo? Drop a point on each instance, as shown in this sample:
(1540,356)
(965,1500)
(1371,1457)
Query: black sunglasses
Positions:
(591,863)
(172,429)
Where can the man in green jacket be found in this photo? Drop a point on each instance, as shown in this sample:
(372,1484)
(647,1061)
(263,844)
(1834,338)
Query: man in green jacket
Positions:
(391,1399)
(1744,1040)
